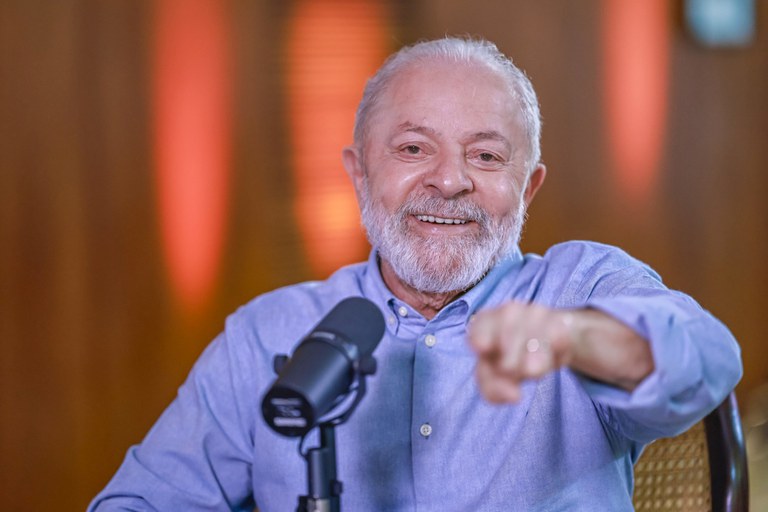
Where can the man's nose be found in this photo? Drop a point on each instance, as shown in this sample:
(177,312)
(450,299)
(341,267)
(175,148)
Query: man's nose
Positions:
(449,177)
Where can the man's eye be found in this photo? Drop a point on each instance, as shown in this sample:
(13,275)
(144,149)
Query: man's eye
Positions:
(412,149)
(487,157)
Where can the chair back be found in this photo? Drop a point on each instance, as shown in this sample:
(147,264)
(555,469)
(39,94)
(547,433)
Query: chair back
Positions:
(702,469)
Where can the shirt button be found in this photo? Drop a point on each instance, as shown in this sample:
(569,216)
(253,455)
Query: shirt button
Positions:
(425,430)
(391,319)
(430,340)
(402,311)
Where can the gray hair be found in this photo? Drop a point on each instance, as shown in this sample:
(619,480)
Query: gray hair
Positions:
(467,51)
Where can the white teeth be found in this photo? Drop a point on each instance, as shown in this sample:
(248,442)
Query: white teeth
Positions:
(439,220)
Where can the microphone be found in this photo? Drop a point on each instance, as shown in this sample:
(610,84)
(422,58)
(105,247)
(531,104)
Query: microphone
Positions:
(323,367)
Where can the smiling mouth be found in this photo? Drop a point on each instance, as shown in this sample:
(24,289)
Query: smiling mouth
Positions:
(440,220)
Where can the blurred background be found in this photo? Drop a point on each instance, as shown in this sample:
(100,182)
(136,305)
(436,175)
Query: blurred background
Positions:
(162,162)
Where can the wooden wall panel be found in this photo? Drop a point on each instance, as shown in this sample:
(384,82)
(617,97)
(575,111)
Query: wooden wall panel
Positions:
(92,346)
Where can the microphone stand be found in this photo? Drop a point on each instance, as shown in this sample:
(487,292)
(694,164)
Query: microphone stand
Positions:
(324,494)
(324,490)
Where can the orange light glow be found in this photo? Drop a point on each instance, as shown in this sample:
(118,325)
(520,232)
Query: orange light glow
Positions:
(333,47)
(191,91)
(636,56)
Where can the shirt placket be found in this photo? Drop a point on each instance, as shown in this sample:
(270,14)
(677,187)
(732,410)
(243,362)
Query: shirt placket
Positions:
(428,436)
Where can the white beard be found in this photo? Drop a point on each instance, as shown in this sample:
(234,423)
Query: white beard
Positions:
(440,264)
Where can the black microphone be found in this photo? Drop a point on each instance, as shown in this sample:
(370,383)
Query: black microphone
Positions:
(323,366)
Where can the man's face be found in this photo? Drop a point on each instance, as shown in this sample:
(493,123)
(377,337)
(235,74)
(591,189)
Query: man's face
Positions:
(442,179)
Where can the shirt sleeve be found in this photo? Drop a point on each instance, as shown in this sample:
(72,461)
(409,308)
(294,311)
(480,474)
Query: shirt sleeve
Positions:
(697,361)
(198,454)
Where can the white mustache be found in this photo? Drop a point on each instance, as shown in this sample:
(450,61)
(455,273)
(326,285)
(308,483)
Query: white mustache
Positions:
(437,207)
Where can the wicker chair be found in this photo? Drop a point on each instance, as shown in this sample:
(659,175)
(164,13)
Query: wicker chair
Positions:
(703,469)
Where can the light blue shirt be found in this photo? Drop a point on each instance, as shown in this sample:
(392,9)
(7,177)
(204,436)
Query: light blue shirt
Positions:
(570,444)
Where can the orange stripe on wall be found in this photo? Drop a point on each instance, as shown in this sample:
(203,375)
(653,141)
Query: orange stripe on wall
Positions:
(636,60)
(333,47)
(191,90)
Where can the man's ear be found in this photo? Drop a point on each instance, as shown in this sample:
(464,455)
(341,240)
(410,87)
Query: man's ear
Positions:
(353,163)
(535,181)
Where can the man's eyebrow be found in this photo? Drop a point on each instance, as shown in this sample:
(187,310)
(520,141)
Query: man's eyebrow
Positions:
(489,135)
(410,127)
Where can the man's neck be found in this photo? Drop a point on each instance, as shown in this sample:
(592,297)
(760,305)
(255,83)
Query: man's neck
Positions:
(428,304)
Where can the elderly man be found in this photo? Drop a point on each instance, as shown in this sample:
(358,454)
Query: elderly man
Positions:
(505,381)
